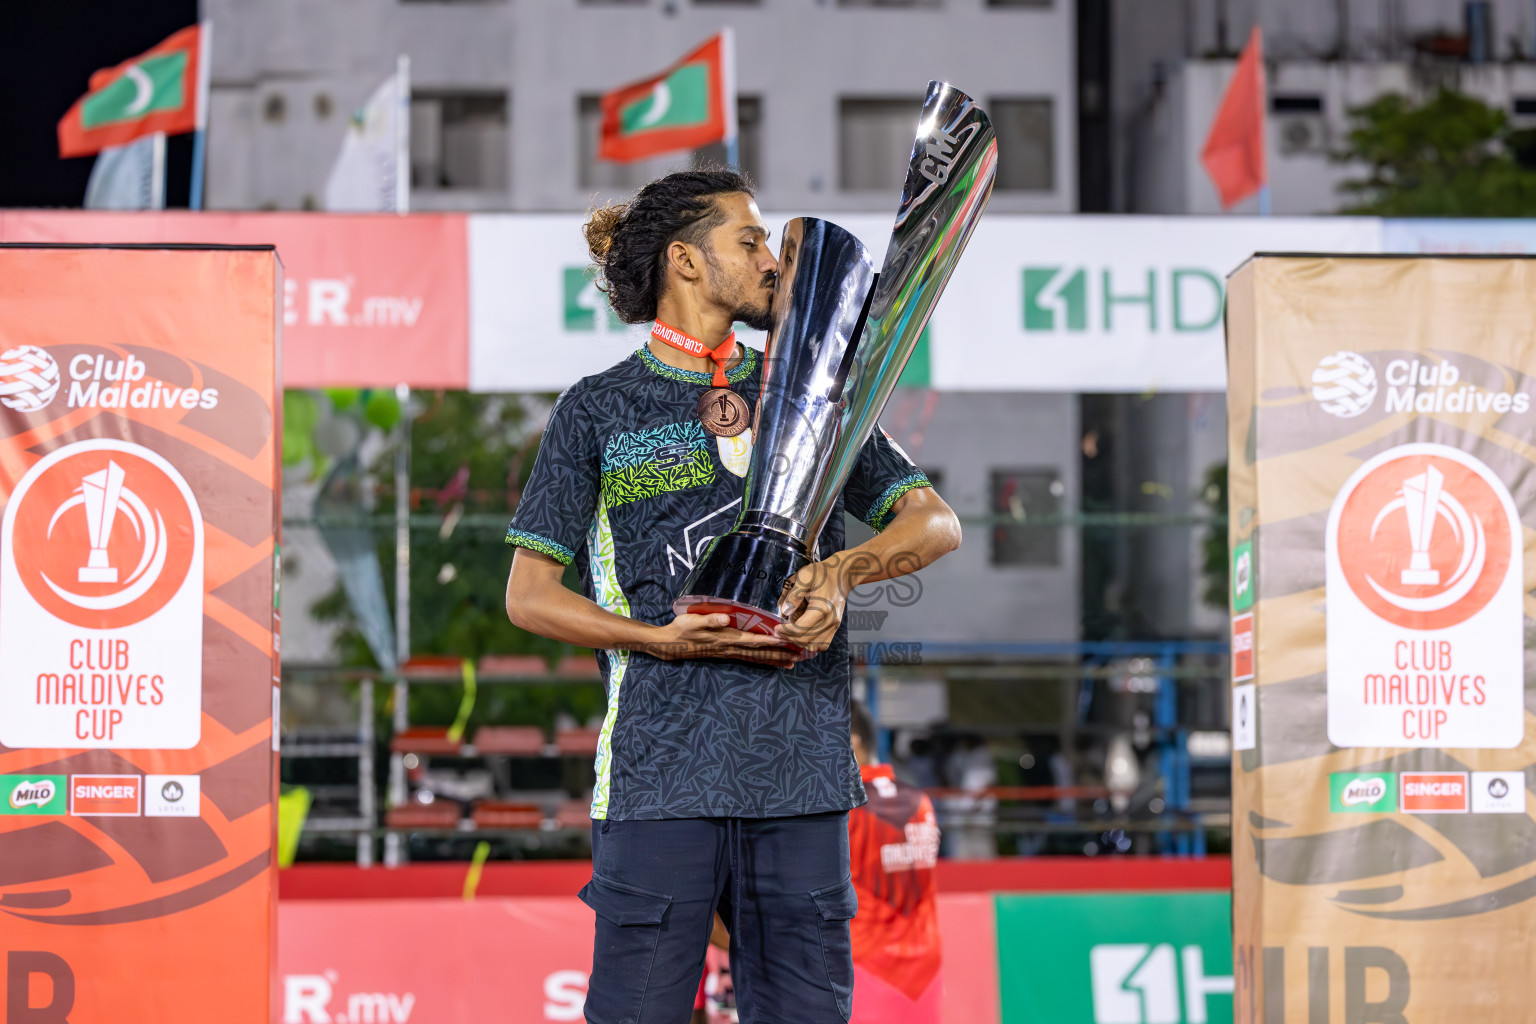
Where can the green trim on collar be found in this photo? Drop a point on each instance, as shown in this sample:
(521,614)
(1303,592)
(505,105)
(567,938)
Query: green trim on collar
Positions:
(735,375)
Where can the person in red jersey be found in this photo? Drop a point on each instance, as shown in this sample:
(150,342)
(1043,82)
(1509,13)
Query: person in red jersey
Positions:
(893,845)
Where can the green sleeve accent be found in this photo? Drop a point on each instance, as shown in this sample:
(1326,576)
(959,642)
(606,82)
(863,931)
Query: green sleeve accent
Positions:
(879,514)
(543,545)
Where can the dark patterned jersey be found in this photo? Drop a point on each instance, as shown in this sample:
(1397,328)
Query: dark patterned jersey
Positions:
(893,847)
(630,487)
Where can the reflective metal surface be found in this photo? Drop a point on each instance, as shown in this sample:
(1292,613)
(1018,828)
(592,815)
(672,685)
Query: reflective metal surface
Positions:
(949,180)
(841,336)
(825,275)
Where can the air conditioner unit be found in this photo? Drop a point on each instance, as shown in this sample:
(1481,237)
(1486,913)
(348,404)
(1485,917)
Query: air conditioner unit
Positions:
(1301,135)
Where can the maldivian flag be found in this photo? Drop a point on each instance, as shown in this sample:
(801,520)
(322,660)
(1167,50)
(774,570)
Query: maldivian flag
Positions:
(691,104)
(157,91)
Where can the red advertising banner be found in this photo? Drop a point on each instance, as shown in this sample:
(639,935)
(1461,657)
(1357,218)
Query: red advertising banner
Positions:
(368,300)
(525,958)
(139,502)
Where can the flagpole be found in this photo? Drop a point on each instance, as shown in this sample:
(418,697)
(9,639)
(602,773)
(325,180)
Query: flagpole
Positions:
(1264,210)
(728,73)
(200,135)
(157,173)
(403,135)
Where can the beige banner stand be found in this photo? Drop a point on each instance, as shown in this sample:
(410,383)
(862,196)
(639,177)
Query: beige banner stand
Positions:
(1382,446)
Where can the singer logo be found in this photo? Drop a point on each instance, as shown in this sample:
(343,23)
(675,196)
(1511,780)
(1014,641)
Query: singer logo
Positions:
(102,537)
(1434,792)
(1423,542)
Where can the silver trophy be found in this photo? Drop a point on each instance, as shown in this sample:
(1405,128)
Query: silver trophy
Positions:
(840,338)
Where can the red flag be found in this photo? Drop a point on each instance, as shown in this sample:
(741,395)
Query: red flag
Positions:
(157,91)
(1234,150)
(691,104)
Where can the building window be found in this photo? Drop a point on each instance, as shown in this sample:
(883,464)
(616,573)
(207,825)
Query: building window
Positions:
(874,137)
(593,173)
(890,3)
(1018,496)
(1026,144)
(1037,4)
(459,140)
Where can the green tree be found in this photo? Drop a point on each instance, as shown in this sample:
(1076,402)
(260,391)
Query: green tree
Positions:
(470,457)
(1449,156)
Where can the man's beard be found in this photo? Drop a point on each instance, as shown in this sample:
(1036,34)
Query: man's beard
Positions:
(757,317)
(756,313)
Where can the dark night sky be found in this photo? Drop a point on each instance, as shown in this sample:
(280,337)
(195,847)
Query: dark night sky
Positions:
(50,49)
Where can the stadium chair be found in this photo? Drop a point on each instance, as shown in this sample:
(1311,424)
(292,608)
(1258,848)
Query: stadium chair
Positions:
(510,740)
(424,739)
(498,814)
(577,742)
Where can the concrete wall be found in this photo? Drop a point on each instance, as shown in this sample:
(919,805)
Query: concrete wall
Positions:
(799,56)
(965,437)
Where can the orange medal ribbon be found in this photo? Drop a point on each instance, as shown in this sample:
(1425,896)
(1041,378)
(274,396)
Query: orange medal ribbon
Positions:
(721,354)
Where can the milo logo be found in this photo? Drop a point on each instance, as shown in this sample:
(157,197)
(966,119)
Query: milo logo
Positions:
(36,794)
(1361,793)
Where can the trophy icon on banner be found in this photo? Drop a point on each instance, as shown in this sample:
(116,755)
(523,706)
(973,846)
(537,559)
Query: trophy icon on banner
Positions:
(841,336)
(1421,503)
(101,491)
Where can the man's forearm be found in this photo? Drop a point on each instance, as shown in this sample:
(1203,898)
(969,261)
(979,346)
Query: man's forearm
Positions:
(550,610)
(919,533)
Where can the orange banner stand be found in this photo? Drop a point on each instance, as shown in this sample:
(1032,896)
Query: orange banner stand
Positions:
(139,530)
(1381,413)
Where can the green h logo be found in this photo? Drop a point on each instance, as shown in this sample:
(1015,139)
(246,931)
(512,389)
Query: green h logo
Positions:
(583,301)
(1055,298)
(1181,300)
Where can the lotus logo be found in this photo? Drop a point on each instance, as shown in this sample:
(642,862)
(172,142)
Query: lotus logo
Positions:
(1498,789)
(33,794)
(1363,791)
(171,792)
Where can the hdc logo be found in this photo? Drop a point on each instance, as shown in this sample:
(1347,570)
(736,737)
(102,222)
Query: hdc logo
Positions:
(1180,300)
(584,304)
(1138,983)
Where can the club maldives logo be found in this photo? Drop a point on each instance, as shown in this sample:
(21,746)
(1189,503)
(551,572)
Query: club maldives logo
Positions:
(101,544)
(29,378)
(1345,385)
(1423,541)
(1424,604)
(101,536)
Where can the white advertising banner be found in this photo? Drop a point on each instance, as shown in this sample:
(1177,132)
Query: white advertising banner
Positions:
(1082,303)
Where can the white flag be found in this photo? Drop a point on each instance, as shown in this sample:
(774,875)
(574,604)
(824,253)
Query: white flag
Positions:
(130,177)
(371,174)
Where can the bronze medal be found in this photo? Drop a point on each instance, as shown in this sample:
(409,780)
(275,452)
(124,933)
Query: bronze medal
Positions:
(723,412)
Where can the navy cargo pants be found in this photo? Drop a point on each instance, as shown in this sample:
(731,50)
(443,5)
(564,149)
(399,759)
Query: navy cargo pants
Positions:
(782,887)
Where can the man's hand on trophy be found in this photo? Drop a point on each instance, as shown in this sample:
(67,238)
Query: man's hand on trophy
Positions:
(712,636)
(813,605)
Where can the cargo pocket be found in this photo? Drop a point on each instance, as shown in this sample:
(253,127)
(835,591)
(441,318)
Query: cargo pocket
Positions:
(835,907)
(628,928)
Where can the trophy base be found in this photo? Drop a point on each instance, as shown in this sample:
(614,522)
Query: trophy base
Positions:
(743,575)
